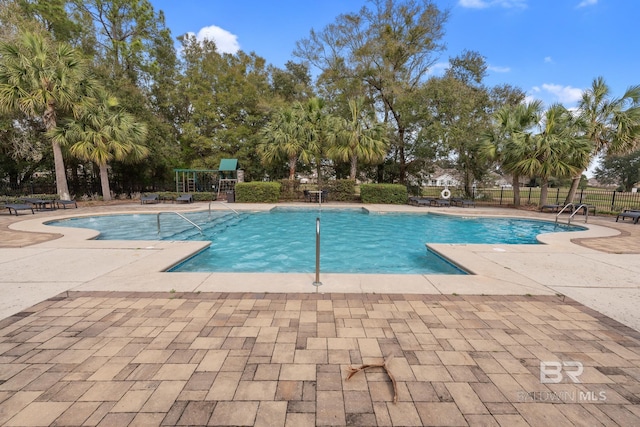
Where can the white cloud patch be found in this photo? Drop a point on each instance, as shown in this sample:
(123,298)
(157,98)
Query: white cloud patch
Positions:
(586,3)
(548,60)
(483,4)
(564,94)
(438,69)
(497,69)
(225,41)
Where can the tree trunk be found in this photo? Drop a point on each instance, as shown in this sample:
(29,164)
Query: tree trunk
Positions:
(403,166)
(104,182)
(292,168)
(574,188)
(354,167)
(49,119)
(515,183)
(544,191)
(319,172)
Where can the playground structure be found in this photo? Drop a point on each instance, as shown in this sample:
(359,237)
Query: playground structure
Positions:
(221,181)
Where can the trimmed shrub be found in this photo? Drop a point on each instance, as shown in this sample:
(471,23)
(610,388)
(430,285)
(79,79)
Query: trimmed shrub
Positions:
(289,189)
(384,193)
(341,190)
(197,196)
(257,192)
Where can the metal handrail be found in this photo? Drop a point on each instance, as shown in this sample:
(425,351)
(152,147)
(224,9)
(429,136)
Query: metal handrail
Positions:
(181,216)
(575,211)
(236,212)
(563,209)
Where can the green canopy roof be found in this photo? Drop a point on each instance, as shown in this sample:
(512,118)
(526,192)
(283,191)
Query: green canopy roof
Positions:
(228,165)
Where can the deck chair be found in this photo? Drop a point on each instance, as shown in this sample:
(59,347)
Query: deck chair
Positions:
(65,203)
(149,198)
(551,208)
(420,201)
(440,202)
(634,214)
(457,201)
(15,207)
(185,198)
(39,204)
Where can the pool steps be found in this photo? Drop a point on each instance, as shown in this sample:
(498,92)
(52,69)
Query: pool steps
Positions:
(219,224)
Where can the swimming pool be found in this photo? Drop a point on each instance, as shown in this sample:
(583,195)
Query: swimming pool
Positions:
(352,240)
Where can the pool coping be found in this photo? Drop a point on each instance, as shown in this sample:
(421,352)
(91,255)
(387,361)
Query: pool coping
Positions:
(558,266)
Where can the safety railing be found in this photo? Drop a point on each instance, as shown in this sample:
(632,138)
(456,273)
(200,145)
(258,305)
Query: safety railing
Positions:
(223,204)
(181,216)
(574,211)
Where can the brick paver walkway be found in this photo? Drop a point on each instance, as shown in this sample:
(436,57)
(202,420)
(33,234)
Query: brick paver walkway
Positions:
(113,359)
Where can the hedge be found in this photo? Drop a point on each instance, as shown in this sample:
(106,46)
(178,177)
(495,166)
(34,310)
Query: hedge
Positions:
(290,190)
(341,190)
(197,196)
(384,193)
(257,192)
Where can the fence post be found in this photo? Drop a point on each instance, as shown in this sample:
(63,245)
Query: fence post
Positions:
(613,201)
(501,192)
(529,197)
(557,195)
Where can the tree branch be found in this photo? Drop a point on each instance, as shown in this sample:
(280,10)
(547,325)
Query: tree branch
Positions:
(385,365)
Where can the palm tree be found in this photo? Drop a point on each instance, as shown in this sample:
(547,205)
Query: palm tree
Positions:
(558,150)
(321,132)
(513,131)
(42,80)
(612,125)
(284,136)
(105,132)
(361,138)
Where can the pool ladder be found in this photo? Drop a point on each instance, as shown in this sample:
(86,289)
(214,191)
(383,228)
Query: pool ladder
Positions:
(575,211)
(181,216)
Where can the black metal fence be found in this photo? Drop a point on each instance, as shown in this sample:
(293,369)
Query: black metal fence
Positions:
(603,200)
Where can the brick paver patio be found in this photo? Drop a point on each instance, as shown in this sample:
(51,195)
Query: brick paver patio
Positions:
(116,359)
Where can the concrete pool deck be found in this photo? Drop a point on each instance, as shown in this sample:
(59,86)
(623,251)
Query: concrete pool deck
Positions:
(607,282)
(94,333)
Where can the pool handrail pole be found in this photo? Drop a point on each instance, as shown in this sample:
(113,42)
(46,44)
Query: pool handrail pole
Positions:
(317,282)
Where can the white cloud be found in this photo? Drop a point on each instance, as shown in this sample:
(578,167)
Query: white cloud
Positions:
(564,94)
(438,68)
(473,4)
(225,41)
(482,4)
(497,69)
(548,60)
(585,3)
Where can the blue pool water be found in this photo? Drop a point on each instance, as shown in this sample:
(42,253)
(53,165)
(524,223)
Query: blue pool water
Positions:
(352,240)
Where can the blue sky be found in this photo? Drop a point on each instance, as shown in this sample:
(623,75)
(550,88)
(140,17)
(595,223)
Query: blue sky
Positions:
(552,49)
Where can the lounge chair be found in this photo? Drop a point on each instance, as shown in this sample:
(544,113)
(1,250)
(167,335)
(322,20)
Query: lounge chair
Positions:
(149,198)
(39,204)
(440,202)
(634,214)
(65,203)
(456,201)
(15,207)
(584,208)
(421,201)
(551,208)
(185,198)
